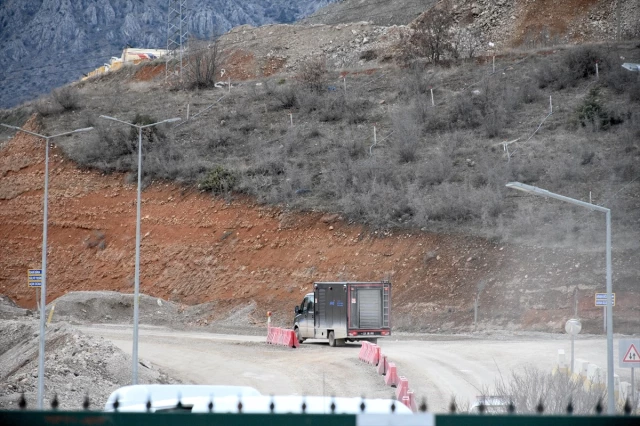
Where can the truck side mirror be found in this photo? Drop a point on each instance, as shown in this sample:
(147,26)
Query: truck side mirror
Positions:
(296,310)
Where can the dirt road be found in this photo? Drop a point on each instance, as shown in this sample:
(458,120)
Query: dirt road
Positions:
(437,367)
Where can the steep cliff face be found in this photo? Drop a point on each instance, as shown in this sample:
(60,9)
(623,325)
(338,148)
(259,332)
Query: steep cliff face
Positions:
(47,43)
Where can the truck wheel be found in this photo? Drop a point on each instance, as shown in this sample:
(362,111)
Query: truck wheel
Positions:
(300,339)
(332,339)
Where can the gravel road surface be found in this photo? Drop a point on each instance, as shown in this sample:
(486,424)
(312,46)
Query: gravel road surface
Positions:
(437,367)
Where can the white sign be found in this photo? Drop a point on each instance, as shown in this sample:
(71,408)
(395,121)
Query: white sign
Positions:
(629,354)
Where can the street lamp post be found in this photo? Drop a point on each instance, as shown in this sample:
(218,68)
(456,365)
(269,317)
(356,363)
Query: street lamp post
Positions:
(544,193)
(43,290)
(134,370)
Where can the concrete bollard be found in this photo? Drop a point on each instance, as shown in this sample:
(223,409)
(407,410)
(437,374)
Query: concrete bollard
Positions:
(624,391)
(561,366)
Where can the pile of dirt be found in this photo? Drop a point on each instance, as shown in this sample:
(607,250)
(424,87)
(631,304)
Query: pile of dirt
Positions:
(76,366)
(9,309)
(110,307)
(97,307)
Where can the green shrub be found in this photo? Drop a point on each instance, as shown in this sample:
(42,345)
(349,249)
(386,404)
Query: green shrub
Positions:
(591,112)
(218,181)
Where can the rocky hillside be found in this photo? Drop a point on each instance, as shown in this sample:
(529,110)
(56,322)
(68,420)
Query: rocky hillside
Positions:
(306,192)
(47,43)
(527,23)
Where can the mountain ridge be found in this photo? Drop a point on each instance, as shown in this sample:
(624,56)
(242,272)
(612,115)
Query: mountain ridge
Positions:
(48,43)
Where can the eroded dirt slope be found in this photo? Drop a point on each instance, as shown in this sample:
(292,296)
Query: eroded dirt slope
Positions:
(236,253)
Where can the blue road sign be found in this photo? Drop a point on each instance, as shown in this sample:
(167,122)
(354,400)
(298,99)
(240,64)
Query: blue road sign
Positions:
(34,277)
(601,299)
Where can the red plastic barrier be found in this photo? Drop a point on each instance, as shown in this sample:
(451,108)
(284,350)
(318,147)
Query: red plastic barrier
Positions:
(293,339)
(283,337)
(391,378)
(270,334)
(412,401)
(375,355)
(405,400)
(364,352)
(402,388)
(383,365)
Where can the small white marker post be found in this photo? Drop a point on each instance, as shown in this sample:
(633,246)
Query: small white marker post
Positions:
(375,140)
(572,327)
(188,112)
(229,83)
(291,119)
(432,102)
(550,105)
(597,73)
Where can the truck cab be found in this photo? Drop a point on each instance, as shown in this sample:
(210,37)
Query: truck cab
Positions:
(303,323)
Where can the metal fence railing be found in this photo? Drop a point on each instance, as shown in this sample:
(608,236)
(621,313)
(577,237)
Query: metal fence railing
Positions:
(180,415)
(84,418)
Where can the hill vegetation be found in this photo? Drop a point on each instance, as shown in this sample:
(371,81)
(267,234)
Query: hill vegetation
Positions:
(374,147)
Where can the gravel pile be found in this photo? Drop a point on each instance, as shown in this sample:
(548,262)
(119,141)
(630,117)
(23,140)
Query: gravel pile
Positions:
(75,365)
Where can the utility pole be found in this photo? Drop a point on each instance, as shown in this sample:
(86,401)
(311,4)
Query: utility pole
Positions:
(177,33)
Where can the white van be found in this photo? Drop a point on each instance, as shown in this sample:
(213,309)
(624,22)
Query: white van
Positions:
(165,397)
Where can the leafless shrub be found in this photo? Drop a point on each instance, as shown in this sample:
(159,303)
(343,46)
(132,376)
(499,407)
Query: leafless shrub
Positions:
(530,387)
(313,73)
(407,135)
(576,65)
(528,92)
(67,97)
(203,65)
(356,110)
(47,106)
(287,97)
(333,108)
(465,42)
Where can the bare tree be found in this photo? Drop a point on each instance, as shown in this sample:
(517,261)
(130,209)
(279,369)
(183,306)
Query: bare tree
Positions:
(203,64)
(433,33)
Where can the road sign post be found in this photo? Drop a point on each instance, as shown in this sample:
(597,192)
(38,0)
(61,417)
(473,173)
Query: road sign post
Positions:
(572,327)
(34,279)
(601,300)
(629,357)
